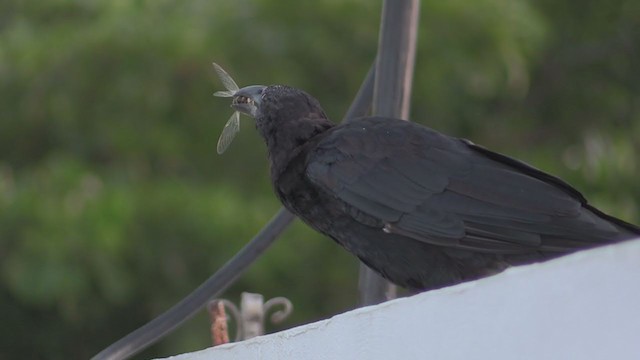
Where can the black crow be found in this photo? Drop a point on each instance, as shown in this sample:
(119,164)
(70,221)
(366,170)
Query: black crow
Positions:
(423,209)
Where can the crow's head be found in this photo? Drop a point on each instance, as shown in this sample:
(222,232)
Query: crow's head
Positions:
(284,115)
(280,110)
(275,103)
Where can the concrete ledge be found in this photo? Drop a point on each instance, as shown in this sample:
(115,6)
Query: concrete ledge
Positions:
(582,306)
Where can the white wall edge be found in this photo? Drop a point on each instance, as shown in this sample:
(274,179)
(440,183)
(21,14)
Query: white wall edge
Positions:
(581,306)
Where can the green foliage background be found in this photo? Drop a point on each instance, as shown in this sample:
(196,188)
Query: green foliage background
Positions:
(114,205)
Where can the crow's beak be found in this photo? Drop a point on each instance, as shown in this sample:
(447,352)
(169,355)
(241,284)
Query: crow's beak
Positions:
(247,100)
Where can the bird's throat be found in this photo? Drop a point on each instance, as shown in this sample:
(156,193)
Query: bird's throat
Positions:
(285,140)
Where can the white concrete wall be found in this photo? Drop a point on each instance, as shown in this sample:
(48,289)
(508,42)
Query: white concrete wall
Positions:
(582,306)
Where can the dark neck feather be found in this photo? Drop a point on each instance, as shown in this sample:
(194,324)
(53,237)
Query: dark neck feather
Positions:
(285,138)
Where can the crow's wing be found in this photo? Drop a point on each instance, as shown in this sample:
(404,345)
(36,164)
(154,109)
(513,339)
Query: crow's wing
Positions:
(444,191)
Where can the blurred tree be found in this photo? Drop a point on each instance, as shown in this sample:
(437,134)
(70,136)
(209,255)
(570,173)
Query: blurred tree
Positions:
(113,205)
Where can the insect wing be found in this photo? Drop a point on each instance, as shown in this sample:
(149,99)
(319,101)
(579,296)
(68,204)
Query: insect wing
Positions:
(231,128)
(227,81)
(223,93)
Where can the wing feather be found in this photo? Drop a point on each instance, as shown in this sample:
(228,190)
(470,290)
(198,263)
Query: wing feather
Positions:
(445,191)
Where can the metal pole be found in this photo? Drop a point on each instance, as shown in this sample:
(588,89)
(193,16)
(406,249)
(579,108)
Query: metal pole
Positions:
(170,320)
(391,97)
